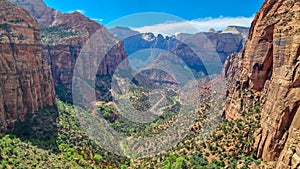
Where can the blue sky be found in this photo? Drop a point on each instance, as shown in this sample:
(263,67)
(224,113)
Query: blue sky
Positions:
(106,11)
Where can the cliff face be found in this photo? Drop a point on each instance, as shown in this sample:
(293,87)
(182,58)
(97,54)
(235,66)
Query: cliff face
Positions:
(269,66)
(25,81)
(63,42)
(38,10)
(64,36)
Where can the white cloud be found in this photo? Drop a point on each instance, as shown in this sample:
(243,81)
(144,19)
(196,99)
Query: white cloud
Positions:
(97,19)
(195,26)
(77,10)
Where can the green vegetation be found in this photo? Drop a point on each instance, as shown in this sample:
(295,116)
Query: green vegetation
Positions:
(17,20)
(139,98)
(123,125)
(55,34)
(15,153)
(64,145)
(63,94)
(230,144)
(4,26)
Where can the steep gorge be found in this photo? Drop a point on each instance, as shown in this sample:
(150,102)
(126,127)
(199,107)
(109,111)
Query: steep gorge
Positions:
(269,66)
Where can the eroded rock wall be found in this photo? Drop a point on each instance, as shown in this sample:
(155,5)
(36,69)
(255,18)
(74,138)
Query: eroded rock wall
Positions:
(269,66)
(26,84)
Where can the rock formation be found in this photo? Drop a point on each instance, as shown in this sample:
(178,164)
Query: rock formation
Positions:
(237,30)
(38,10)
(122,32)
(212,30)
(64,36)
(26,84)
(64,41)
(269,66)
(201,51)
(224,43)
(62,54)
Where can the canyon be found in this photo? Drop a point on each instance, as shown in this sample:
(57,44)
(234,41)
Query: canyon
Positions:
(39,56)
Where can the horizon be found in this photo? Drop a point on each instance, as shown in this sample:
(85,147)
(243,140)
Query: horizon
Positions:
(157,16)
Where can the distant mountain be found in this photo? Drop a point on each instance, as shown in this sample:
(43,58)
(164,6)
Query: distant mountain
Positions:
(122,32)
(182,36)
(237,30)
(223,43)
(204,52)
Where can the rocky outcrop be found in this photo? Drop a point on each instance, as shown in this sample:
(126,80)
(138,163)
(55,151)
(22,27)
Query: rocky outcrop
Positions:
(182,36)
(38,10)
(26,84)
(269,66)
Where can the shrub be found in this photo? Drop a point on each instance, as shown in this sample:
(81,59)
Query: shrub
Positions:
(98,158)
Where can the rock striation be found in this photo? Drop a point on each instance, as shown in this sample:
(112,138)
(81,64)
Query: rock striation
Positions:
(64,36)
(269,66)
(26,84)
(38,10)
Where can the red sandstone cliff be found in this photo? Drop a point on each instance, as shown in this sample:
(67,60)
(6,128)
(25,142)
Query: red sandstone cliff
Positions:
(63,38)
(75,33)
(269,66)
(25,81)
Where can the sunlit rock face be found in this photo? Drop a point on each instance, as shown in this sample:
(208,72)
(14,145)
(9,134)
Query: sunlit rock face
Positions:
(269,66)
